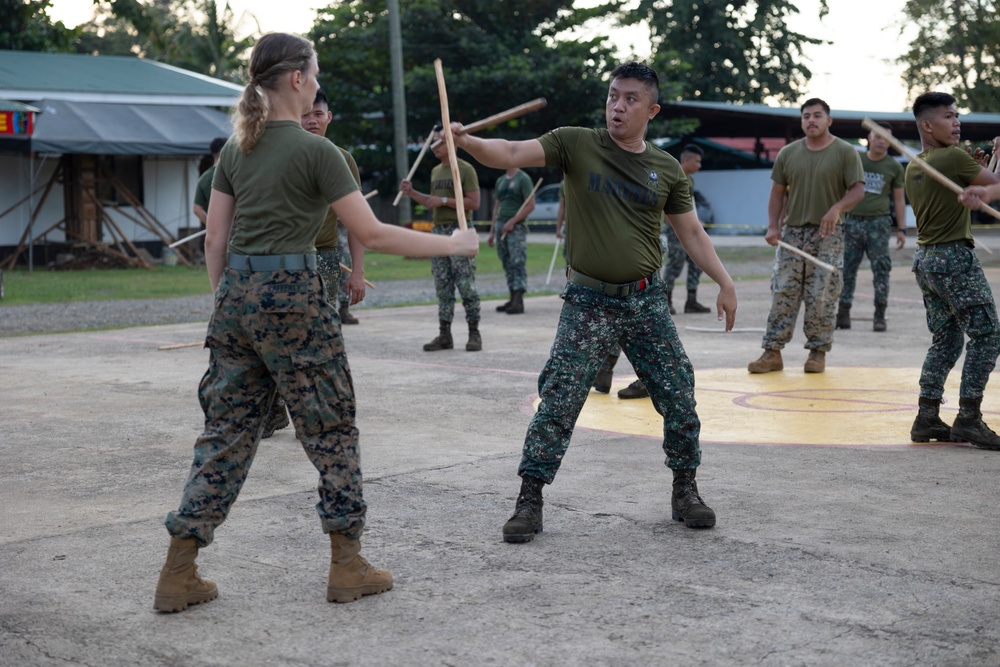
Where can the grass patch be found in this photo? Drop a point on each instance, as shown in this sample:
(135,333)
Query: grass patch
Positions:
(43,286)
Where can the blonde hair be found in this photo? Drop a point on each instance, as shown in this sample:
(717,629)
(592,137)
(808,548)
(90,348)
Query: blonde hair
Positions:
(273,56)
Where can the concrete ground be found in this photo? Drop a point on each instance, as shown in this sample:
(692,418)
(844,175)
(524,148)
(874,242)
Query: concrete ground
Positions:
(873,552)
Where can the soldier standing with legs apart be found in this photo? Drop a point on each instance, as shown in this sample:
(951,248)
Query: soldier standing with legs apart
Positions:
(618,188)
(866,228)
(956,294)
(510,234)
(273,330)
(822,177)
(451,272)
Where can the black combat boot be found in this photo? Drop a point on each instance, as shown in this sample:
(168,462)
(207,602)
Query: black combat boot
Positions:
(687,505)
(928,425)
(879,319)
(692,305)
(602,383)
(502,308)
(844,316)
(970,427)
(345,314)
(276,419)
(443,340)
(516,303)
(670,303)
(527,518)
(635,390)
(475,343)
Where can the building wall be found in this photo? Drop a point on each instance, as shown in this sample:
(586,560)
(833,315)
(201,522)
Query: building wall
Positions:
(168,193)
(738,199)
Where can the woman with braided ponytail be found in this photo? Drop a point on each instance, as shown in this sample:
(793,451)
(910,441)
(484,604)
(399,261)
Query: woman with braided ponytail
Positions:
(273,331)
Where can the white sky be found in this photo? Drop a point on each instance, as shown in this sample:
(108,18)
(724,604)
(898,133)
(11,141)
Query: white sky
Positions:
(853,73)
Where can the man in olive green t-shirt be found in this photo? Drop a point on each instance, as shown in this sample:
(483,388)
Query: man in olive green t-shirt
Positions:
(956,294)
(822,178)
(618,188)
(451,273)
(866,228)
(512,203)
(203,190)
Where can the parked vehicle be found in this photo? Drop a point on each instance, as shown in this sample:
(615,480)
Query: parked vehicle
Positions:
(546,203)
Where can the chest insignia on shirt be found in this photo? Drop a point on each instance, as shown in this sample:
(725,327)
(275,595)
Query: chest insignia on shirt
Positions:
(652,180)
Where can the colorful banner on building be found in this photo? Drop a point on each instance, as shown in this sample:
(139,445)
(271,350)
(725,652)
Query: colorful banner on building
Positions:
(17,123)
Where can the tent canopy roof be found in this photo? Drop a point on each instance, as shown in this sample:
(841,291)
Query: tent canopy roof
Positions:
(122,129)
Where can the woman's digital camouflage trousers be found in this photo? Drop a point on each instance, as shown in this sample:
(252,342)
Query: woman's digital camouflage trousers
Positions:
(273,333)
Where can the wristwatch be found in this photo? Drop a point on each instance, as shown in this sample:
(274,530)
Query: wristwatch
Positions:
(444,200)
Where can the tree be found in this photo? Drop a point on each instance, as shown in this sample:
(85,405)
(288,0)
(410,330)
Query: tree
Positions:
(495,55)
(197,35)
(25,26)
(954,49)
(729,50)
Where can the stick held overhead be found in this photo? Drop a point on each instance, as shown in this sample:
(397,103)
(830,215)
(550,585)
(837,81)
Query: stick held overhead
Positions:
(450,140)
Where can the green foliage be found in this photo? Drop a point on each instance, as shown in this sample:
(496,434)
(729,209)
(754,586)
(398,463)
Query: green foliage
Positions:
(954,50)
(495,56)
(197,35)
(25,26)
(728,50)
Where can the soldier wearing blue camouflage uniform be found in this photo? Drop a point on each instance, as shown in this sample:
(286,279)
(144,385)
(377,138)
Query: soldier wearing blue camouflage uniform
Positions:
(822,177)
(866,229)
(618,188)
(273,329)
(451,273)
(956,294)
(677,258)
(512,204)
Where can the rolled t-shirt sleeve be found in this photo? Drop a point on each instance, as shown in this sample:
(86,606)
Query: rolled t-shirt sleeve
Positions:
(778,170)
(679,200)
(220,180)
(333,176)
(854,172)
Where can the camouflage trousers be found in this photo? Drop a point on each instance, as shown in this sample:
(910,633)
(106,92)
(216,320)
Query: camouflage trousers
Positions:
(958,300)
(677,257)
(871,236)
(795,280)
(345,258)
(590,325)
(513,253)
(328,267)
(454,272)
(273,332)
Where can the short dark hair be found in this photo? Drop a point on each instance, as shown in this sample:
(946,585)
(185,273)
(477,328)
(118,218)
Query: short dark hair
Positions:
(216,146)
(692,149)
(642,73)
(884,124)
(813,101)
(929,101)
(321,99)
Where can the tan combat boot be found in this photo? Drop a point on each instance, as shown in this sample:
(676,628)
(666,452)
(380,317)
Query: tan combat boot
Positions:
(816,363)
(179,584)
(351,576)
(769,361)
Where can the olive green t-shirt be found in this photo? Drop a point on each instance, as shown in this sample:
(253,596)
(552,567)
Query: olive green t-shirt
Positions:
(616,200)
(941,218)
(283,189)
(511,193)
(816,180)
(327,238)
(881,178)
(203,191)
(442,185)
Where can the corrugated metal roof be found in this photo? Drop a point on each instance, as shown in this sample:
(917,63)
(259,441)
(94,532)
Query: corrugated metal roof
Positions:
(29,76)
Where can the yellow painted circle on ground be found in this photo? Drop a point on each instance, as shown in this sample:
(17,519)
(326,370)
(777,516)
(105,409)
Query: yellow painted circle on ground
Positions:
(841,407)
